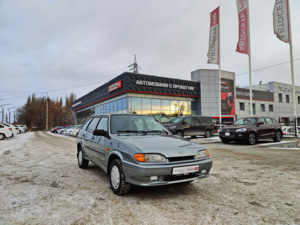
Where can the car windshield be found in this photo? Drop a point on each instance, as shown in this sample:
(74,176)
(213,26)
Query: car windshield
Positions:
(176,120)
(245,121)
(135,124)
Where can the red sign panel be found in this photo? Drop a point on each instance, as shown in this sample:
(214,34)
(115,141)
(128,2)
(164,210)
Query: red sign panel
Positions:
(115,86)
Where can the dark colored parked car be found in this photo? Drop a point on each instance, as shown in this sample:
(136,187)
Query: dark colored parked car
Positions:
(250,129)
(138,150)
(191,126)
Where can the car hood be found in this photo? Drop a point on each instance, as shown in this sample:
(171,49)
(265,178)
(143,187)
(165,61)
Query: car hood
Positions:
(169,146)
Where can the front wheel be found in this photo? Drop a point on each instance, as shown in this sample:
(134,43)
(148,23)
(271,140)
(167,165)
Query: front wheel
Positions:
(117,178)
(277,137)
(179,133)
(82,162)
(2,136)
(252,138)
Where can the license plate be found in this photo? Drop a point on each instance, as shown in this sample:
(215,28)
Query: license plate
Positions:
(185,170)
(227,134)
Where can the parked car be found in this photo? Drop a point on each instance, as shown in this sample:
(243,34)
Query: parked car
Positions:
(74,131)
(250,129)
(191,126)
(14,129)
(137,150)
(23,128)
(289,130)
(55,129)
(5,132)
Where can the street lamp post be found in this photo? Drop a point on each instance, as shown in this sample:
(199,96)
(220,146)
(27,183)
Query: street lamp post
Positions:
(3,112)
(9,114)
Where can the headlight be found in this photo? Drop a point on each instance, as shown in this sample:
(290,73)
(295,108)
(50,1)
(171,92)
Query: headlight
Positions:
(172,127)
(202,154)
(149,158)
(241,130)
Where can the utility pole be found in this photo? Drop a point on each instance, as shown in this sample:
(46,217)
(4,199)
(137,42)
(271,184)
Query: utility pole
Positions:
(47,113)
(3,112)
(135,66)
(9,114)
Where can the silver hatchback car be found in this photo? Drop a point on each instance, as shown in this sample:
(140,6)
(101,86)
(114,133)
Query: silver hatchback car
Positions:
(137,150)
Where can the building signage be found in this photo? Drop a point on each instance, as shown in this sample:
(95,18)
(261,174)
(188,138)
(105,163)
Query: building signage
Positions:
(115,86)
(164,85)
(242,93)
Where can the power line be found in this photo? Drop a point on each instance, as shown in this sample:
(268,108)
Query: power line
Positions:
(264,68)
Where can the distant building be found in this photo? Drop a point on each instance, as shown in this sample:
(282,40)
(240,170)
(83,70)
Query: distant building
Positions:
(165,98)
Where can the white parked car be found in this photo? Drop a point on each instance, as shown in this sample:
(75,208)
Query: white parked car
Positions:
(15,131)
(5,132)
(22,128)
(74,130)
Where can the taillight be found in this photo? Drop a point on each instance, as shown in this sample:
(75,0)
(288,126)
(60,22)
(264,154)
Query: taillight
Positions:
(10,129)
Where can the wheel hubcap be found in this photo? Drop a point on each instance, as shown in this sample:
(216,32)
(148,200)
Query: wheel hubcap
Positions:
(115,177)
(252,138)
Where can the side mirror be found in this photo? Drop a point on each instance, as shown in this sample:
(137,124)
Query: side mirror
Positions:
(100,133)
(260,123)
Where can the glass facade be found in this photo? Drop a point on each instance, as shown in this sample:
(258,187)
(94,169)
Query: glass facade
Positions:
(162,109)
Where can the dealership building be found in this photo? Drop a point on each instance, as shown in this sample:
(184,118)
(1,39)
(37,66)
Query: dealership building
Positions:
(165,98)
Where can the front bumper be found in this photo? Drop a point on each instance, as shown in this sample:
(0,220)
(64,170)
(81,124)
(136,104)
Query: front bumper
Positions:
(234,136)
(161,174)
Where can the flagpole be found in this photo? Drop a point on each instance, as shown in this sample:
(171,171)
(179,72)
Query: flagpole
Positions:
(250,67)
(292,67)
(219,61)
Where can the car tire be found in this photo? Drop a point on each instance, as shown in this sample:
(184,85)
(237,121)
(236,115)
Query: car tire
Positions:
(179,133)
(252,139)
(207,133)
(2,136)
(277,137)
(82,162)
(117,178)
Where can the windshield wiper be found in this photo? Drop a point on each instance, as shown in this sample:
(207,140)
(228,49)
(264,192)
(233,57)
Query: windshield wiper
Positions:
(131,131)
(157,131)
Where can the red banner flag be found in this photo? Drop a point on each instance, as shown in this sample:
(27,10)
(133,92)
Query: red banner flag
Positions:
(242,45)
(281,20)
(213,48)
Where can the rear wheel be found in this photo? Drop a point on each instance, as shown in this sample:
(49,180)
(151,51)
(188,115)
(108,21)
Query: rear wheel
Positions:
(82,163)
(117,178)
(277,137)
(207,133)
(252,138)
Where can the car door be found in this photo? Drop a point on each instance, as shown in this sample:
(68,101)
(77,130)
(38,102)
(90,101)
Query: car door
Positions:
(271,127)
(261,129)
(196,126)
(89,138)
(187,126)
(99,143)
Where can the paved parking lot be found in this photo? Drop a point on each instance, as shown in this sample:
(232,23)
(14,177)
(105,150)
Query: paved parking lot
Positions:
(42,184)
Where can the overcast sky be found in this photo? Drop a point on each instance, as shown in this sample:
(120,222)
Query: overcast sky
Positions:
(57,47)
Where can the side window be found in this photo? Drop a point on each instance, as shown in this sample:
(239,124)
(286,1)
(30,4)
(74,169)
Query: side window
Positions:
(103,124)
(86,124)
(269,120)
(187,120)
(261,120)
(1,126)
(92,125)
(195,122)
